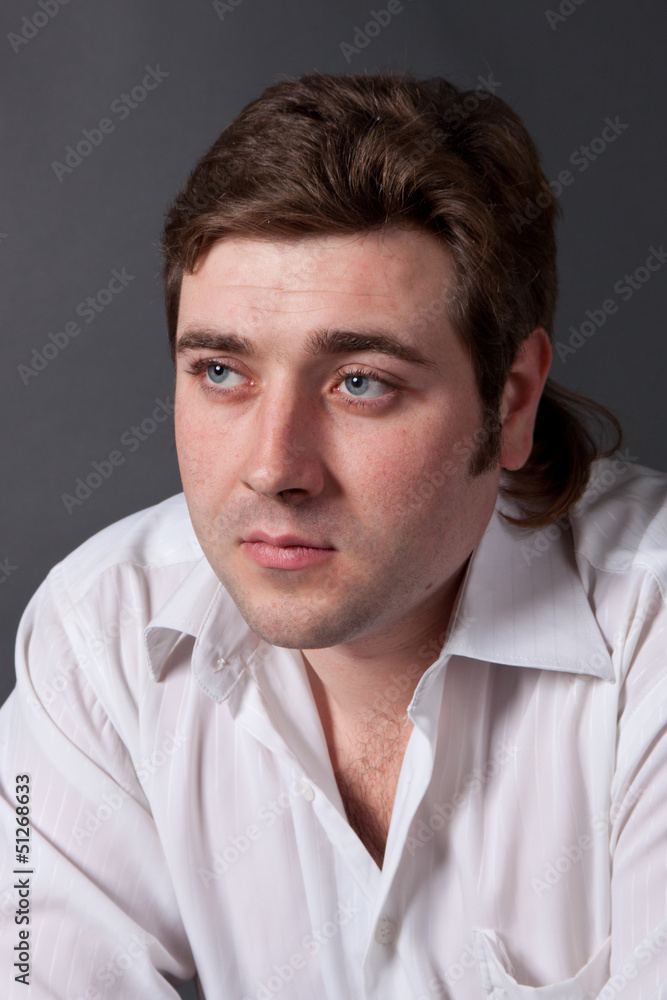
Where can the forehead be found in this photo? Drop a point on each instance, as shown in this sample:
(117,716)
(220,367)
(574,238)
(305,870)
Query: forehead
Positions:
(395,274)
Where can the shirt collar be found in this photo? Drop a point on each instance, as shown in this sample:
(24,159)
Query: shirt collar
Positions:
(520,604)
(225,647)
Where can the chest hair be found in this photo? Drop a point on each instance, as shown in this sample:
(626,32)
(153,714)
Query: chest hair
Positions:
(367,764)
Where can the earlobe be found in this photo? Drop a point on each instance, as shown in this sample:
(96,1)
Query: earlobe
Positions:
(521,397)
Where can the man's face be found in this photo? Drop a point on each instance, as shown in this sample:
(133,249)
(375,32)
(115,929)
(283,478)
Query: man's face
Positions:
(291,421)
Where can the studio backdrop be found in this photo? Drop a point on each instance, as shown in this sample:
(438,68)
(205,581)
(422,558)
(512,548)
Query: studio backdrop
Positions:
(107,106)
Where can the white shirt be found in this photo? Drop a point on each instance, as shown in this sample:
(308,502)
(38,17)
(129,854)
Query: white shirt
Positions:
(185,817)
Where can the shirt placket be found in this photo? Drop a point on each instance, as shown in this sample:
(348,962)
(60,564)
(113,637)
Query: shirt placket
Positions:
(340,899)
(371,953)
(388,969)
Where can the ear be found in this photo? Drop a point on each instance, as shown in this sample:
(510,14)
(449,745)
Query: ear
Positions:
(521,397)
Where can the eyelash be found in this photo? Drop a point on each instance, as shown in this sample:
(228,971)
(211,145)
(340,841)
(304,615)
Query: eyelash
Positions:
(198,369)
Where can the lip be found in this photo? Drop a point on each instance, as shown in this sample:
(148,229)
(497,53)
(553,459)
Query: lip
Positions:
(284,552)
(284,540)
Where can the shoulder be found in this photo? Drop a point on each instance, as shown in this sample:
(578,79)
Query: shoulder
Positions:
(127,570)
(621,521)
(83,629)
(156,538)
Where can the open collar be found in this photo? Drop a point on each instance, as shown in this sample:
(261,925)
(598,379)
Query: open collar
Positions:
(518,605)
(225,647)
(524,604)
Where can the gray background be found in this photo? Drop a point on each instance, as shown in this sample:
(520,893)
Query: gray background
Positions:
(60,239)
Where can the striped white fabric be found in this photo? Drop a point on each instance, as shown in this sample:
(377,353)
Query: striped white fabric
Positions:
(184,813)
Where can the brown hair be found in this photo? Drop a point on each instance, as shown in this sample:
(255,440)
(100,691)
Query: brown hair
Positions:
(324,155)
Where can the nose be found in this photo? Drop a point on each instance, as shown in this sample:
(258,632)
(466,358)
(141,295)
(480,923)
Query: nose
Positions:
(283,450)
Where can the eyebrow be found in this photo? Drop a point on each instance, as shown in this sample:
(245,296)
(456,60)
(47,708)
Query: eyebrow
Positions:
(321,342)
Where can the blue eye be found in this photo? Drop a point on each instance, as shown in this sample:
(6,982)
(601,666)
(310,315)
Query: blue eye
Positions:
(359,384)
(217,373)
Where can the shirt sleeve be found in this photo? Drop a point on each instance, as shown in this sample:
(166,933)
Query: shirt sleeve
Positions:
(638,820)
(87,908)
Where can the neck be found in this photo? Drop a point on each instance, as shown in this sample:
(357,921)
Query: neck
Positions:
(377,674)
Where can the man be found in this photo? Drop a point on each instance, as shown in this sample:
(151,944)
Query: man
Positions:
(378,708)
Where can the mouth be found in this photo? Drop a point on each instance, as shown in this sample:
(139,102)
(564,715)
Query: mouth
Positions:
(282,541)
(285,551)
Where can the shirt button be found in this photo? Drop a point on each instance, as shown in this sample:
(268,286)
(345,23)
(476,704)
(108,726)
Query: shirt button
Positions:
(307,791)
(385,932)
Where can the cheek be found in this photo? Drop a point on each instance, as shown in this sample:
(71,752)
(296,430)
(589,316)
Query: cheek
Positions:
(389,474)
(416,476)
(190,439)
(204,454)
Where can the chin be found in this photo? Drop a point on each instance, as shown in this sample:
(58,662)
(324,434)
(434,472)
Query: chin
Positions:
(293,625)
(292,634)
